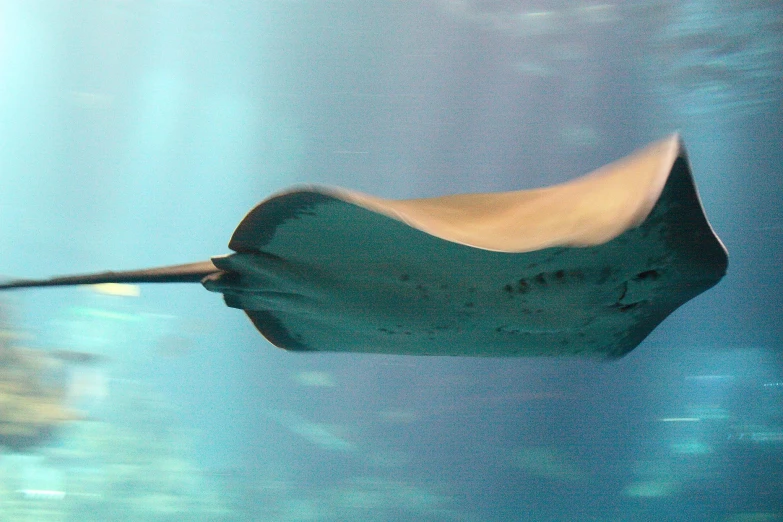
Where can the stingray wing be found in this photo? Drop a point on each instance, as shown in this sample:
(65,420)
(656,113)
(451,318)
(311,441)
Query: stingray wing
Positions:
(587,211)
(588,267)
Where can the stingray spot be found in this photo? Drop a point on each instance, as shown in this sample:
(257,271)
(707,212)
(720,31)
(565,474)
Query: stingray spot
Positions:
(560,275)
(540,279)
(505,329)
(404,277)
(407,333)
(508,289)
(522,286)
(469,305)
(647,275)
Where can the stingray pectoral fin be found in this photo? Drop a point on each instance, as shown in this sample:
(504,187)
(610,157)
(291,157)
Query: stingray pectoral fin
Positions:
(187,273)
(586,211)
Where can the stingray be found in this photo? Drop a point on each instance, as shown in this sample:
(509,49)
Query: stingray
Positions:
(584,268)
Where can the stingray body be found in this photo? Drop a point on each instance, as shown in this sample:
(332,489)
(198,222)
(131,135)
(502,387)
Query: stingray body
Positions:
(587,268)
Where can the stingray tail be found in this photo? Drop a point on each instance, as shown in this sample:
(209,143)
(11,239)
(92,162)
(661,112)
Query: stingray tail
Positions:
(189,273)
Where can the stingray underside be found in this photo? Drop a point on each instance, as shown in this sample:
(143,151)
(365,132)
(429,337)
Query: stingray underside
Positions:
(320,270)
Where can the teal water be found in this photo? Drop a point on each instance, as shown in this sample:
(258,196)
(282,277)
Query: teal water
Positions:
(137,133)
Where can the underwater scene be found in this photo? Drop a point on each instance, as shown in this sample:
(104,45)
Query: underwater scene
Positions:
(572,354)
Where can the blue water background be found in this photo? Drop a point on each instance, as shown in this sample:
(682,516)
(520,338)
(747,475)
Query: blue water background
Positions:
(139,133)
